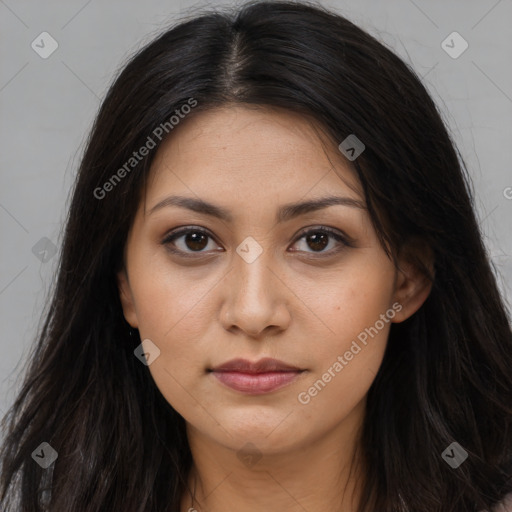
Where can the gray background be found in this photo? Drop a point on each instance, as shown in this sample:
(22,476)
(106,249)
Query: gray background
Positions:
(47,107)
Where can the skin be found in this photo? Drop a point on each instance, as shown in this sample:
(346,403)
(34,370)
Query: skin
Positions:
(295,302)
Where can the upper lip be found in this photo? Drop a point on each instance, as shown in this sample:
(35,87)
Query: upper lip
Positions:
(264,365)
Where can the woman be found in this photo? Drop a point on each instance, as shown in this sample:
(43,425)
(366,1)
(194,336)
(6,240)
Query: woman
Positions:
(273,292)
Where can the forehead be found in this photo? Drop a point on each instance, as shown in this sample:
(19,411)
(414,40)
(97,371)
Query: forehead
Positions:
(250,152)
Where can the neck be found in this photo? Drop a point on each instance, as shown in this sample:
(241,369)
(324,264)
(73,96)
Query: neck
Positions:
(315,476)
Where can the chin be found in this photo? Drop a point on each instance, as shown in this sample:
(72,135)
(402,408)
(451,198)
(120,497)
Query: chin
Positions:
(269,437)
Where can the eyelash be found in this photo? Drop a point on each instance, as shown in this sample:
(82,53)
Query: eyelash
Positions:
(342,239)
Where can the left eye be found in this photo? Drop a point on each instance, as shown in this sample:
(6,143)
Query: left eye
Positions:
(318,239)
(194,240)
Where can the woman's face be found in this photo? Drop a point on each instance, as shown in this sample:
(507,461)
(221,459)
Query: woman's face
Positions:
(255,277)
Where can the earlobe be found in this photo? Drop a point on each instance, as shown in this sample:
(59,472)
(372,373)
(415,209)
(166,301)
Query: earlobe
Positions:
(414,281)
(126,297)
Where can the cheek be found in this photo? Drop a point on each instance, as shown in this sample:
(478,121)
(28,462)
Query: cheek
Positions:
(354,301)
(174,311)
(347,360)
(169,299)
(172,314)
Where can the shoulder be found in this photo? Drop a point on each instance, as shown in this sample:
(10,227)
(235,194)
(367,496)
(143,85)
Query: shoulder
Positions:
(505,505)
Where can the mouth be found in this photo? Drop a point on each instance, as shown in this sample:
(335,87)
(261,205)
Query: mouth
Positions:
(256,378)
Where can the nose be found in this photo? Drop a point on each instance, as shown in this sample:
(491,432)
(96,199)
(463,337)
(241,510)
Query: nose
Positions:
(256,299)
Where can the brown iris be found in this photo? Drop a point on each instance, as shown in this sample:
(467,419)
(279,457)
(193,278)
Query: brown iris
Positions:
(196,241)
(317,241)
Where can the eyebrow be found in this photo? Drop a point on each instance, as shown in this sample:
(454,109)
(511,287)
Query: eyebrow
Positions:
(284,213)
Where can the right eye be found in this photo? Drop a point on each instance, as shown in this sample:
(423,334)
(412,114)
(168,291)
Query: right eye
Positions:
(188,241)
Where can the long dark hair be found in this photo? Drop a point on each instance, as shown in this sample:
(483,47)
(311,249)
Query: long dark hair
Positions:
(446,372)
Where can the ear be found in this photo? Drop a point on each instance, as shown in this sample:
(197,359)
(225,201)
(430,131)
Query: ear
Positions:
(414,279)
(126,296)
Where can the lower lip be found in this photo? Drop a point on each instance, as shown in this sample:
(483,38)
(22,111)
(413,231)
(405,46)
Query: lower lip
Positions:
(256,383)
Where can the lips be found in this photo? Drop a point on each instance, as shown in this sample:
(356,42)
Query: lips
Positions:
(258,377)
(264,365)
